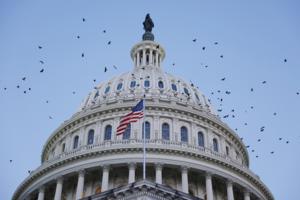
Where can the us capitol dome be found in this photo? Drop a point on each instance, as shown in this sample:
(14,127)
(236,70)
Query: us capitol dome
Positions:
(191,153)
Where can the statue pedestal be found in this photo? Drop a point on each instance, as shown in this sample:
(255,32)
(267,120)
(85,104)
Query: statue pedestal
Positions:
(148,36)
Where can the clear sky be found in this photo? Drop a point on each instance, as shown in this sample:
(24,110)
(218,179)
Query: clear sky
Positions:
(254,38)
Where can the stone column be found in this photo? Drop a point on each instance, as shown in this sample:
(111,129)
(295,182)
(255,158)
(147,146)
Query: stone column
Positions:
(156,58)
(158,173)
(41,193)
(229,191)
(144,57)
(134,60)
(131,174)
(209,190)
(105,178)
(151,57)
(80,185)
(58,190)
(138,58)
(156,128)
(246,195)
(184,180)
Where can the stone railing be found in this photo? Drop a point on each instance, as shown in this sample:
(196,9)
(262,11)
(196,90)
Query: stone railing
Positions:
(138,143)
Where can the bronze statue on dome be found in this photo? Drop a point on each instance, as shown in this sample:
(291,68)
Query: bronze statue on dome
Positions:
(148,23)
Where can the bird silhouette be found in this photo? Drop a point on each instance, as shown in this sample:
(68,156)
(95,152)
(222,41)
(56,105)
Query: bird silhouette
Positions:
(40,47)
(109,42)
(83,19)
(42,62)
(194,40)
(82,55)
(42,70)
(105,69)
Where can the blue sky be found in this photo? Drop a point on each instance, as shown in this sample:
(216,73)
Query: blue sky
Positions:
(254,38)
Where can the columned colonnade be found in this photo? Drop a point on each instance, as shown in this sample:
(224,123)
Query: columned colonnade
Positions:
(132,178)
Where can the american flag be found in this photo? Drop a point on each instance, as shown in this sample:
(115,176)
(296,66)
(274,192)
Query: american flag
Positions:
(136,113)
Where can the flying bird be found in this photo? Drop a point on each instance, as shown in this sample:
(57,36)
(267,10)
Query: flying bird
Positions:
(24,78)
(251,89)
(73,92)
(221,56)
(42,70)
(18,86)
(157,46)
(194,40)
(215,43)
(50,117)
(285,60)
(115,67)
(105,69)
(40,47)
(203,48)
(104,31)
(109,42)
(42,62)
(223,79)
(83,19)
(78,36)
(264,82)
(10,161)
(82,55)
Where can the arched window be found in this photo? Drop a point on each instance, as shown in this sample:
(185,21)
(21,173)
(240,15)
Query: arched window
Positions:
(184,134)
(96,94)
(132,84)
(165,131)
(227,150)
(63,147)
(119,86)
(174,87)
(107,90)
(147,83)
(75,142)
(215,145)
(126,134)
(186,91)
(160,84)
(196,95)
(91,137)
(147,130)
(107,132)
(200,139)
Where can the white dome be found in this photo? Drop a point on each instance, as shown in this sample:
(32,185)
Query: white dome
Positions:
(148,80)
(161,86)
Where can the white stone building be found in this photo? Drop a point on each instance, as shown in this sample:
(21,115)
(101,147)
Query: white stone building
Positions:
(191,153)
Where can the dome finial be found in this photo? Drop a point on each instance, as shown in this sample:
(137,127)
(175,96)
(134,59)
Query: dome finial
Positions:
(148,25)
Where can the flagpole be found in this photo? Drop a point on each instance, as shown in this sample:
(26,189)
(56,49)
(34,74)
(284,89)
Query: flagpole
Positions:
(144,140)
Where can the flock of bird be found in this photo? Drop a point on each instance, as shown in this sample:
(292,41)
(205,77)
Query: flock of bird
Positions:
(232,113)
(218,93)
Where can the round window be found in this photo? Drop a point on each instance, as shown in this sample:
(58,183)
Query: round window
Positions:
(107,90)
(132,84)
(160,84)
(174,87)
(119,86)
(147,83)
